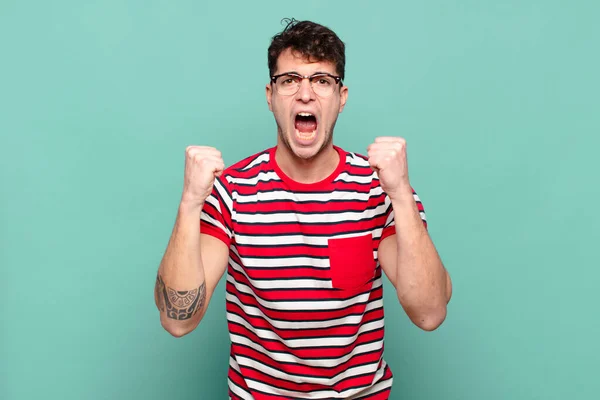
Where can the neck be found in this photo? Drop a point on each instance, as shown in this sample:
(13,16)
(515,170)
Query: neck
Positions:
(310,170)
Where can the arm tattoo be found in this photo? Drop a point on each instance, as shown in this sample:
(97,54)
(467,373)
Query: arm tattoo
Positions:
(158,292)
(180,304)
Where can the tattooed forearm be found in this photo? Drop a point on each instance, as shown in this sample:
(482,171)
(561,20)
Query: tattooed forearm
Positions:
(180,304)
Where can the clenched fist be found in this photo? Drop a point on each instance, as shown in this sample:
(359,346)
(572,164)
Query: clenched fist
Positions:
(202,165)
(387,156)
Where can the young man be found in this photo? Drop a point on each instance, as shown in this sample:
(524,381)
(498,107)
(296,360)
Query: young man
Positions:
(304,230)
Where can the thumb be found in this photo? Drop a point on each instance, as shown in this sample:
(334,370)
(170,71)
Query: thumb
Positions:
(374,164)
(218,169)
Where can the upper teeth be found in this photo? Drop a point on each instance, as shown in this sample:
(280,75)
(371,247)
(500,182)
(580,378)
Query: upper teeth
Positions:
(305,114)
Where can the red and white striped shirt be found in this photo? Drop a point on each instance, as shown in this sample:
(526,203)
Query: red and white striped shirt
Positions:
(304,293)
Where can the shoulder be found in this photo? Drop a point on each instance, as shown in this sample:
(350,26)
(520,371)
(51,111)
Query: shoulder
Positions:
(246,168)
(248,163)
(354,160)
(244,171)
(357,169)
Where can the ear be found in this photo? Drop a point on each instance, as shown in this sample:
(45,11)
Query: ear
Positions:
(269,93)
(343,97)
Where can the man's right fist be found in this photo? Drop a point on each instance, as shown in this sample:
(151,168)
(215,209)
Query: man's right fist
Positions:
(202,165)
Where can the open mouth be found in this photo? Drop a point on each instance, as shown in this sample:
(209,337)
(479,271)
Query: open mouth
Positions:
(306,125)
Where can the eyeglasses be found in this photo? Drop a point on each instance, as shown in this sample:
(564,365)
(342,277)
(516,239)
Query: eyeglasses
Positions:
(322,84)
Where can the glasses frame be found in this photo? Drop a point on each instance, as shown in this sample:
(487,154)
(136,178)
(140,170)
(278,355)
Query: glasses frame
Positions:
(274,78)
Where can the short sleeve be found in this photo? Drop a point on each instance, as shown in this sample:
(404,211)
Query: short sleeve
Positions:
(390,225)
(215,219)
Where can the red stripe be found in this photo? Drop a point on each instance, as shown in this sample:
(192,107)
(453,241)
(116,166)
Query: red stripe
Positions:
(214,231)
(282,251)
(250,189)
(285,273)
(308,207)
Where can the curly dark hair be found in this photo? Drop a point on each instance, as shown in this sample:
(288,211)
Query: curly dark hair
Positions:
(314,41)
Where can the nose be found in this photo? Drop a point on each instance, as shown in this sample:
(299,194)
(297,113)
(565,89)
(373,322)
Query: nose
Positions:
(305,92)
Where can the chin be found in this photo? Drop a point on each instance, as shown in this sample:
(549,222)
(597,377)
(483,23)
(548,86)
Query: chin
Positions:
(306,151)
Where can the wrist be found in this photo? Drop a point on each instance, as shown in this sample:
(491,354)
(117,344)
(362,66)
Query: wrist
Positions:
(188,207)
(403,194)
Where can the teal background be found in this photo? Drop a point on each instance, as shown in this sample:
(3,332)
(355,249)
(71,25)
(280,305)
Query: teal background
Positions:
(498,102)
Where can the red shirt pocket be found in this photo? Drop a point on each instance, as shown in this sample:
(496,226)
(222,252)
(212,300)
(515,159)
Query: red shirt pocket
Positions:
(351,262)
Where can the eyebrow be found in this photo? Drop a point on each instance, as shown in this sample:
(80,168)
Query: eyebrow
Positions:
(314,73)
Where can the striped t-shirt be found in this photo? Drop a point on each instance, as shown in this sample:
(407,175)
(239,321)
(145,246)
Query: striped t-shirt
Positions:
(304,293)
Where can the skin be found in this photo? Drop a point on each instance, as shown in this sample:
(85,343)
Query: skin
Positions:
(303,162)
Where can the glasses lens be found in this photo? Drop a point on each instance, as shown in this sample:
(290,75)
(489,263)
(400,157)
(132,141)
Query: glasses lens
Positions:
(287,84)
(323,84)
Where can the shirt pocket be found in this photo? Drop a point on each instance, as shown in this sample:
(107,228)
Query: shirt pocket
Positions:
(351,261)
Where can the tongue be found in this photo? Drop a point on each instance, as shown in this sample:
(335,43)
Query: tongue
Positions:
(306,125)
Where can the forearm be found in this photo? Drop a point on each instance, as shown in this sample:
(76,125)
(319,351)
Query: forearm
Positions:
(422,282)
(180,290)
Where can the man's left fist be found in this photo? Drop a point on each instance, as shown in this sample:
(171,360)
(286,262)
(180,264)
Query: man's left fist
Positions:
(387,156)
